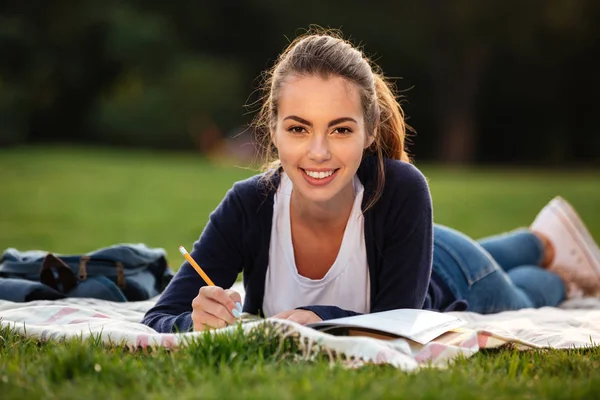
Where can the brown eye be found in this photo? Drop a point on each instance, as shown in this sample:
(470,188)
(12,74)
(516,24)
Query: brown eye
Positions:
(343,131)
(296,129)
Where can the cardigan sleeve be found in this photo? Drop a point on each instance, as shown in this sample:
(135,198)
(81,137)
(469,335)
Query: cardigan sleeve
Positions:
(329,312)
(407,247)
(219,251)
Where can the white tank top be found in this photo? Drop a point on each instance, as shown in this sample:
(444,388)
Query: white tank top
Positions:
(346,284)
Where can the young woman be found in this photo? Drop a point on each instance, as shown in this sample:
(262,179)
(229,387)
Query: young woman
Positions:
(341,221)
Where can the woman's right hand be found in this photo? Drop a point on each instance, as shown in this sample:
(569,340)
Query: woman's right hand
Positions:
(214,308)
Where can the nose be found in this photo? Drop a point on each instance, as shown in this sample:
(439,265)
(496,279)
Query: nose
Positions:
(319,148)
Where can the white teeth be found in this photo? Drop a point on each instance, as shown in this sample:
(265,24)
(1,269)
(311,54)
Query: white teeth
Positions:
(318,175)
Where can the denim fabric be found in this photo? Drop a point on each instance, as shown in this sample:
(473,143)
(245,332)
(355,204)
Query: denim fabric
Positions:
(98,287)
(21,290)
(496,274)
(514,249)
(122,272)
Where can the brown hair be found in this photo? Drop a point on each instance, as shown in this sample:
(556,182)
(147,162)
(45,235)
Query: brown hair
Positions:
(326,53)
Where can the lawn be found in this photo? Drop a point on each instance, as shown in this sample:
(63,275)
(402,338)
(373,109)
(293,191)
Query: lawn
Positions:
(71,200)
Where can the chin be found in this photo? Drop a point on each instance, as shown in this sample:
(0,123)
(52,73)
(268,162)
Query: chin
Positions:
(318,198)
(319,194)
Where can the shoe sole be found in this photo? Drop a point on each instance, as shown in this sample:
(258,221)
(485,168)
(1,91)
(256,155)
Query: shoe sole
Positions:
(574,217)
(579,232)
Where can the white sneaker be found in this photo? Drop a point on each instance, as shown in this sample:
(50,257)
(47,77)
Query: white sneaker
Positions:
(577,256)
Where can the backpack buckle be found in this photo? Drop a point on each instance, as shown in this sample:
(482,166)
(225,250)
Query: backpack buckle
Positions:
(120,275)
(82,274)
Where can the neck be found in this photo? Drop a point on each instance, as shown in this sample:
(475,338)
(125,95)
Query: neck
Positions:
(331,214)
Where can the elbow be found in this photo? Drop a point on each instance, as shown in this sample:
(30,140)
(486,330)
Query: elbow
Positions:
(151,319)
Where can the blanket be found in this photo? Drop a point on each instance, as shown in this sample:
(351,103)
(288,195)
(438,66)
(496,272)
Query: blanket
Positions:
(574,324)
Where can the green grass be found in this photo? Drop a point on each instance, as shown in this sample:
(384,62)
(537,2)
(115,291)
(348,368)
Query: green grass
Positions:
(71,200)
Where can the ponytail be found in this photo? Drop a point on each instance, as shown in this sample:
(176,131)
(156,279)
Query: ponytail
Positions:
(391,130)
(390,135)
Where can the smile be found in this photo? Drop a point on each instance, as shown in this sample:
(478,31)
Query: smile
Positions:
(319,178)
(319,174)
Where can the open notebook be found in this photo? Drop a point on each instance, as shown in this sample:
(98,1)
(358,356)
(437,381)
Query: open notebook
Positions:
(421,326)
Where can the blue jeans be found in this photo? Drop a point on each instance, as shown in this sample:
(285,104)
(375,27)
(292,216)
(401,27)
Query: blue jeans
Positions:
(495,274)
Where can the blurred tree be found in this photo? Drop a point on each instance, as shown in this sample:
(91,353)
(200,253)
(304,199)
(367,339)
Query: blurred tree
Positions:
(173,110)
(58,63)
(535,103)
(479,77)
(467,35)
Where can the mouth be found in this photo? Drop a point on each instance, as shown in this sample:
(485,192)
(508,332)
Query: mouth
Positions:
(321,177)
(319,174)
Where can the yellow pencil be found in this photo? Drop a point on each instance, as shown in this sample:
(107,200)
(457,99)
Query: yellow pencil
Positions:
(196,266)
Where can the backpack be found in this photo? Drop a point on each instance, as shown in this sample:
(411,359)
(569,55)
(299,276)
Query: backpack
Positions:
(123,272)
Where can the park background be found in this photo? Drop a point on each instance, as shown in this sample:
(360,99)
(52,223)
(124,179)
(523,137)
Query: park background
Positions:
(126,121)
(486,82)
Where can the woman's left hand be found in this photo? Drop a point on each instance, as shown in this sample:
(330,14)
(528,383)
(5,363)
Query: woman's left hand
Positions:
(303,317)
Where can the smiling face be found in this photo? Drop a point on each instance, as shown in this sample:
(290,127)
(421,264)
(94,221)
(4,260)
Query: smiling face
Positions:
(320,136)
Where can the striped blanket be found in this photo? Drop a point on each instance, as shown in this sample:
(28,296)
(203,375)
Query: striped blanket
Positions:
(574,324)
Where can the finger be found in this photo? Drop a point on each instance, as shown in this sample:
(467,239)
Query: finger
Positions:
(235,296)
(220,311)
(203,321)
(218,295)
(298,317)
(284,314)
(304,317)
(210,306)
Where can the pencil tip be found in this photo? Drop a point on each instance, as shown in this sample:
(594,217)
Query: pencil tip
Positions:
(182,250)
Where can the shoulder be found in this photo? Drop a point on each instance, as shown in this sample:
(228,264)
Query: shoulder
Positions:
(260,185)
(405,205)
(406,190)
(251,193)
(400,174)
(402,181)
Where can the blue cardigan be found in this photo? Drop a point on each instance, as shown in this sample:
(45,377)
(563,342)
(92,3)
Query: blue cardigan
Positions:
(398,237)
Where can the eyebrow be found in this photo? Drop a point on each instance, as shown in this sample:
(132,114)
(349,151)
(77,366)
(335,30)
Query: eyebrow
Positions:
(330,124)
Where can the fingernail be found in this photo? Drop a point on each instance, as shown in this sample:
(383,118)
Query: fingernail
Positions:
(239,306)
(235,313)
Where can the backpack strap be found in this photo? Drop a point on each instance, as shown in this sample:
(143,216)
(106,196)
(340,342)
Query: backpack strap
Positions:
(66,277)
(120,275)
(82,273)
